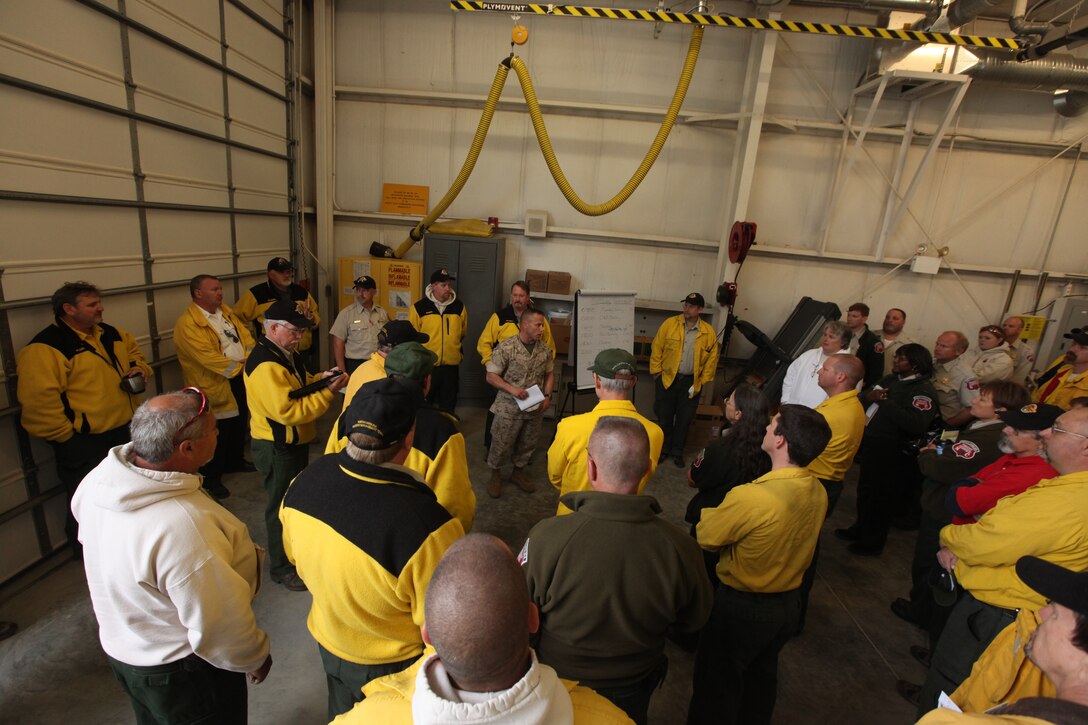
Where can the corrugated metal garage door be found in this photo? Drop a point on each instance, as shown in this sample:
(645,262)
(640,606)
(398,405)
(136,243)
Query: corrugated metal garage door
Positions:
(145,141)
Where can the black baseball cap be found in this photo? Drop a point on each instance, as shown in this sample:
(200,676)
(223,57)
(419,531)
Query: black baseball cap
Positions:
(395,332)
(441,275)
(1064,586)
(280,264)
(365,282)
(695,299)
(1078,336)
(384,409)
(288,311)
(1034,416)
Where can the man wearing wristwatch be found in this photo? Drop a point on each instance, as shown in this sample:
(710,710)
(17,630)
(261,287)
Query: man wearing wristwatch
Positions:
(517,364)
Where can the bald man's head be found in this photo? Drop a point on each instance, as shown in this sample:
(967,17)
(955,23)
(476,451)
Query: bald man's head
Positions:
(850,366)
(620,450)
(477,614)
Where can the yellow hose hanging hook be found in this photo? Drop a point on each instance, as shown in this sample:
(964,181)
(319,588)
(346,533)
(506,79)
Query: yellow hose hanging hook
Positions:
(544,141)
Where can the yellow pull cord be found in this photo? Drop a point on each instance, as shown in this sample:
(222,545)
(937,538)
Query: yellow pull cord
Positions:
(647,161)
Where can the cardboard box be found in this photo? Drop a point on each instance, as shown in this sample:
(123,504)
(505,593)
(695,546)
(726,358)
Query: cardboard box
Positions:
(561,333)
(707,424)
(559,283)
(537,279)
(643,347)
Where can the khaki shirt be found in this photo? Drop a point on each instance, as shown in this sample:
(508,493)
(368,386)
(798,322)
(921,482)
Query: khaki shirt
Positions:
(358,327)
(1024,361)
(956,384)
(519,366)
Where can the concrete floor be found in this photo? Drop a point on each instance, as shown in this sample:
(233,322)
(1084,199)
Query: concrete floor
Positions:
(841,670)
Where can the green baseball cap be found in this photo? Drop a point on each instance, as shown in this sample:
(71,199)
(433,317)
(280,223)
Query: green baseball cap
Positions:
(611,363)
(411,360)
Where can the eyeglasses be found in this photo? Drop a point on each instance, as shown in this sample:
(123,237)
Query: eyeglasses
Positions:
(1057,429)
(290,328)
(203,409)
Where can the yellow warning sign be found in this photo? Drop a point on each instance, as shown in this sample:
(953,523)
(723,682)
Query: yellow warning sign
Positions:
(404,199)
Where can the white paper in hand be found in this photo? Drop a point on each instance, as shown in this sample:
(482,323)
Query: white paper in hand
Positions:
(535,398)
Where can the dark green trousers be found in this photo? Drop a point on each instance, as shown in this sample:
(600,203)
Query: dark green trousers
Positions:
(346,679)
(279,464)
(187,692)
(971,627)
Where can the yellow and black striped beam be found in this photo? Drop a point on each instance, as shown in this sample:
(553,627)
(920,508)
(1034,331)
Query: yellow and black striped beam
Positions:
(729,21)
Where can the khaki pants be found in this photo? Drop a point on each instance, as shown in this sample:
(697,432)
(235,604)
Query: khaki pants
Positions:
(513,439)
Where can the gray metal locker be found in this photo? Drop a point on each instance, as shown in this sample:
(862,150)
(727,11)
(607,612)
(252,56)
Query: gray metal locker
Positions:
(477,263)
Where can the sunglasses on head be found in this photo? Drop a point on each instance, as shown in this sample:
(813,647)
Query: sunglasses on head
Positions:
(203,409)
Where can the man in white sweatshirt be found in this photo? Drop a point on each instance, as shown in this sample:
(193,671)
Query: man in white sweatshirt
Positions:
(172,574)
(481,668)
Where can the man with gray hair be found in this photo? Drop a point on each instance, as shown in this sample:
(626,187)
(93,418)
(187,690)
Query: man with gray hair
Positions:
(587,572)
(956,383)
(282,419)
(366,533)
(172,574)
(613,380)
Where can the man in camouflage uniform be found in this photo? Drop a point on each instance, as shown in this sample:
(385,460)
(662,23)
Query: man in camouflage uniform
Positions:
(518,363)
(955,381)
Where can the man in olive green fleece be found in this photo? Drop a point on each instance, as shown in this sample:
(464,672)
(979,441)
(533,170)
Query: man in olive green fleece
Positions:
(587,572)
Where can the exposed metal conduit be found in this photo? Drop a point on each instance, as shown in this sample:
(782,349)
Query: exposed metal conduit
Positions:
(1021,26)
(908,6)
(960,12)
(7,195)
(1048,74)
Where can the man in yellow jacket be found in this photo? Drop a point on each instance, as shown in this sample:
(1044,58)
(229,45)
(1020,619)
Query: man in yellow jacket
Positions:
(481,668)
(683,358)
(79,384)
(444,319)
(613,380)
(1048,520)
(212,345)
(1057,648)
(282,426)
(280,285)
(1069,380)
(438,447)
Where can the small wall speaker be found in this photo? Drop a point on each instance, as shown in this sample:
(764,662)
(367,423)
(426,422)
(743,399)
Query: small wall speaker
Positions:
(536,223)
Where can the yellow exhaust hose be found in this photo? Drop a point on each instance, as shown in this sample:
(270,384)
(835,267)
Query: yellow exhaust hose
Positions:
(647,161)
(546,145)
(490,105)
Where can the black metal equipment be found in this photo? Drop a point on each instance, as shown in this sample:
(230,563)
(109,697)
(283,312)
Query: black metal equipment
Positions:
(801,331)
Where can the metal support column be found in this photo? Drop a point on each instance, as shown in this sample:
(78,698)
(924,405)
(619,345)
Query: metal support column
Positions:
(749,131)
(138,181)
(223,46)
(324,139)
(958,84)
